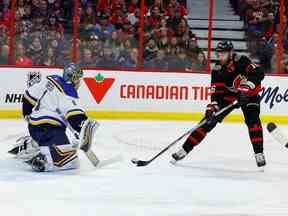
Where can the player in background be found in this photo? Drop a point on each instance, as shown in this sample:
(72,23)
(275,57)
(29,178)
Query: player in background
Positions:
(49,107)
(233,78)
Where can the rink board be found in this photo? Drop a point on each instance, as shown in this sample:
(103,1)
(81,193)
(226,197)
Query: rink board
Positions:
(141,95)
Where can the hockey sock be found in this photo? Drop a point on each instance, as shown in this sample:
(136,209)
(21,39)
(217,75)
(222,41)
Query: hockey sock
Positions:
(256,137)
(194,139)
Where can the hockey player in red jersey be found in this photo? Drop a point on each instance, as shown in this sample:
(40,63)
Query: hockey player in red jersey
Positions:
(233,78)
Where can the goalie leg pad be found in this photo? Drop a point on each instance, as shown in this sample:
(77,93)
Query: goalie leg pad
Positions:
(56,151)
(87,133)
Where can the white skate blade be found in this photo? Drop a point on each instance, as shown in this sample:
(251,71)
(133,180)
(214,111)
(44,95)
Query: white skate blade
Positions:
(261,169)
(173,161)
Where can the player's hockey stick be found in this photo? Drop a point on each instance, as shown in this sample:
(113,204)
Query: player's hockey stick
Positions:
(277,134)
(224,111)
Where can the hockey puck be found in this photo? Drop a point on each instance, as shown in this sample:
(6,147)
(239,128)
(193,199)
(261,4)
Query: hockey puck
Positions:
(271,126)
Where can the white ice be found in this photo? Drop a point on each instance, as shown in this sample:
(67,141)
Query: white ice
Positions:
(219,177)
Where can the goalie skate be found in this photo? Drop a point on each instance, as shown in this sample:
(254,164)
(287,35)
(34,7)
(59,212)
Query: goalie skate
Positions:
(38,163)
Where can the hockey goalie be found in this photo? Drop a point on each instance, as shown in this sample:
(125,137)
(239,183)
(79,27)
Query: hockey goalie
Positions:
(49,108)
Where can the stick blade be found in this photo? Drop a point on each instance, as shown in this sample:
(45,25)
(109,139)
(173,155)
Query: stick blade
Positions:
(139,162)
(277,134)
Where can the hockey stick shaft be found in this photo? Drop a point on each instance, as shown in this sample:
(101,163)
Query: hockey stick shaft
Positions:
(223,111)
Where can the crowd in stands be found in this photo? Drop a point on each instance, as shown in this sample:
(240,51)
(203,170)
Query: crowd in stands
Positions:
(5,14)
(108,34)
(262,24)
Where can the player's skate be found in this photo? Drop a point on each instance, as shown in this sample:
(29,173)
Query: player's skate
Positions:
(179,155)
(260,160)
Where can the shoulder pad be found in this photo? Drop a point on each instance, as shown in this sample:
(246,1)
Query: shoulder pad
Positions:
(62,86)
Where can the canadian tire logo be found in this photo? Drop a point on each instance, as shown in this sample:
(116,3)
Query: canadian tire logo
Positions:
(98,86)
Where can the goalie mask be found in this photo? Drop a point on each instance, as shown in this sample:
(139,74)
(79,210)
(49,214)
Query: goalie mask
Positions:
(72,73)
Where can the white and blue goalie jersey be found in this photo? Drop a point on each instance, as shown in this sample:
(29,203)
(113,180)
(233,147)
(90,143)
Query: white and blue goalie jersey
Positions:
(53,102)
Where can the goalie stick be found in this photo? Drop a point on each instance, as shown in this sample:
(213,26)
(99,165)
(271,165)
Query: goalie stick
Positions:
(277,134)
(225,110)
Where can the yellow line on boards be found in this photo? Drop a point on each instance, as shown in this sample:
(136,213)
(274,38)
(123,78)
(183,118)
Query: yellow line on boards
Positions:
(15,114)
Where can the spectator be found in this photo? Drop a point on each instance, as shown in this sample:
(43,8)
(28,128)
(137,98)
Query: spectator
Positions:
(54,25)
(104,29)
(22,59)
(50,57)
(107,59)
(200,63)
(160,5)
(125,52)
(175,7)
(259,20)
(4,52)
(192,48)
(132,60)
(134,17)
(182,32)
(174,19)
(163,41)
(95,45)
(87,59)
(88,19)
(133,6)
(151,50)
(259,23)
(155,19)
(160,61)
(103,5)
(180,61)
(36,51)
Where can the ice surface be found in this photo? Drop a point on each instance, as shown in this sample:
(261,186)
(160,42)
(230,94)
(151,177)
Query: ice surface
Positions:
(218,178)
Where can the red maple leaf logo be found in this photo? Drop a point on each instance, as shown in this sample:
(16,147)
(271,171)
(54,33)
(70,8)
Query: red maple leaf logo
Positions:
(98,86)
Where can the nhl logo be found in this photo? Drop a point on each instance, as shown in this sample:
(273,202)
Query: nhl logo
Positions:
(33,78)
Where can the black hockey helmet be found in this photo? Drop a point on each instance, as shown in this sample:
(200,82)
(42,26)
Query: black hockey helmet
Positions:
(224,46)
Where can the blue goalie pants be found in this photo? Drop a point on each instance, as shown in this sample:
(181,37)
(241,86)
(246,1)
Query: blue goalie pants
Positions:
(55,146)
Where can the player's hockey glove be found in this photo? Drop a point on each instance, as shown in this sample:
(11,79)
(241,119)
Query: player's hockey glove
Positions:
(211,109)
(243,95)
